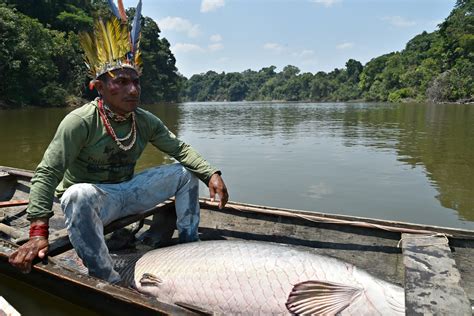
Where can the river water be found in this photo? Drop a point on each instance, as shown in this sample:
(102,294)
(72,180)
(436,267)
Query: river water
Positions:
(403,162)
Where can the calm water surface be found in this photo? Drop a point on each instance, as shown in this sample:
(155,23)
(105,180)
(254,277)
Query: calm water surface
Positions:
(406,162)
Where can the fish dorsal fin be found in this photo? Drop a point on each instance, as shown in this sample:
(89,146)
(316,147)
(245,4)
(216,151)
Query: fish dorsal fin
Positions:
(321,298)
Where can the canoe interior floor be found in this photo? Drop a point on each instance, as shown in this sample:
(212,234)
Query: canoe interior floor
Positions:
(371,250)
(463,254)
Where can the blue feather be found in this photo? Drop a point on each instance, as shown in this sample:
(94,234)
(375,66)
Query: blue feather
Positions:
(114,9)
(136,26)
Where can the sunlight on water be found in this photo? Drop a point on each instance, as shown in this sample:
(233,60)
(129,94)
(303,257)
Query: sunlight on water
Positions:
(405,162)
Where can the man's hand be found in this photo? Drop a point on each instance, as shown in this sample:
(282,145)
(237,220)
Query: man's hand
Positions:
(35,247)
(217,186)
(24,256)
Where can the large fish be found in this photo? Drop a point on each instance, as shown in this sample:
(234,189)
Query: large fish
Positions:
(242,277)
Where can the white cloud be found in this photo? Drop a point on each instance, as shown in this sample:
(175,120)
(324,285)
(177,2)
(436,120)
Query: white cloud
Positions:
(345,45)
(223,60)
(304,53)
(215,46)
(305,57)
(187,48)
(398,21)
(215,38)
(309,62)
(211,5)
(173,23)
(326,3)
(194,48)
(273,47)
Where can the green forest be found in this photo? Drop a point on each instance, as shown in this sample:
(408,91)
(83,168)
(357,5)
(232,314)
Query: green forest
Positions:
(42,64)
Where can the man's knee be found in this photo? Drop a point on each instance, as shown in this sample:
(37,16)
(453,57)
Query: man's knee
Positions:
(81,196)
(78,192)
(191,177)
(182,175)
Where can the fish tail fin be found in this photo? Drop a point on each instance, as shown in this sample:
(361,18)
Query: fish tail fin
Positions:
(321,298)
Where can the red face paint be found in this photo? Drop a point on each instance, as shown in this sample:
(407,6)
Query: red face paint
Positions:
(122,91)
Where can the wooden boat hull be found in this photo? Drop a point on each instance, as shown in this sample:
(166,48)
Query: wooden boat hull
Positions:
(370,244)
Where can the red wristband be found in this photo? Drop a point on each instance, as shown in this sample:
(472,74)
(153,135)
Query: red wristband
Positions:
(39,230)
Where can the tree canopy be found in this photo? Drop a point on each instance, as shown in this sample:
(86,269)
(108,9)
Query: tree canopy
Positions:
(437,67)
(42,64)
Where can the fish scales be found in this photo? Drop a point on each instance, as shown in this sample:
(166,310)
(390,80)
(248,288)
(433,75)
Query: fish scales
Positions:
(242,277)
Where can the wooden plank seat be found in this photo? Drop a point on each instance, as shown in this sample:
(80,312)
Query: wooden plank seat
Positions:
(432,280)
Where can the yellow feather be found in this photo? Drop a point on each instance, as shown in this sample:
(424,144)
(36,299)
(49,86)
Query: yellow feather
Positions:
(138,56)
(101,52)
(124,40)
(111,35)
(90,56)
(104,42)
(86,43)
(107,47)
(138,60)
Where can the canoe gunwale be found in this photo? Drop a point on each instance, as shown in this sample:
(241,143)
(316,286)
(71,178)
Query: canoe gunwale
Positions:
(19,173)
(341,220)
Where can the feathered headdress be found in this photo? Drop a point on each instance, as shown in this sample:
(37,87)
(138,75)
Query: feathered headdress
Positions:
(111,46)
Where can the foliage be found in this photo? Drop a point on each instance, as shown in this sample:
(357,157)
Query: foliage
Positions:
(42,61)
(33,59)
(66,15)
(435,66)
(42,64)
(160,80)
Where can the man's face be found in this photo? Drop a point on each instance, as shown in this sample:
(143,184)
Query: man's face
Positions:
(120,90)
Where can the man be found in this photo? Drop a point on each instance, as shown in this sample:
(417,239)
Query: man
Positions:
(90,161)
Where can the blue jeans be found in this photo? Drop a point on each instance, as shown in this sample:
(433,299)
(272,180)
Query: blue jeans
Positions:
(88,207)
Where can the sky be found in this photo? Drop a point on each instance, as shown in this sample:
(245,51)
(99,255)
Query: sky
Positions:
(313,35)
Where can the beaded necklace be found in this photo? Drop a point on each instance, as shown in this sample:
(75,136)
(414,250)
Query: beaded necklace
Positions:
(114,116)
(111,132)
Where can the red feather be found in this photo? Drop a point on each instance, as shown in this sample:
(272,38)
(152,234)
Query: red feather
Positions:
(123,15)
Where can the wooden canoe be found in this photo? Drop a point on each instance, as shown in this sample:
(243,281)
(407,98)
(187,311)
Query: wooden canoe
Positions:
(434,264)
(7,309)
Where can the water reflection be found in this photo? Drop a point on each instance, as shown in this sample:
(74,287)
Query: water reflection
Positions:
(438,137)
(410,162)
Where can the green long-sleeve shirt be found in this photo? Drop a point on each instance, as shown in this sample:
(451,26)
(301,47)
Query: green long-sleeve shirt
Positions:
(83,152)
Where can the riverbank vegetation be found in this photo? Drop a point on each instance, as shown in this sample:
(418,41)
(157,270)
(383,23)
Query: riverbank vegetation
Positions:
(437,67)
(42,64)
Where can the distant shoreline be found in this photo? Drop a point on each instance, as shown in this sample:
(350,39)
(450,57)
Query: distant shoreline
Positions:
(5,106)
